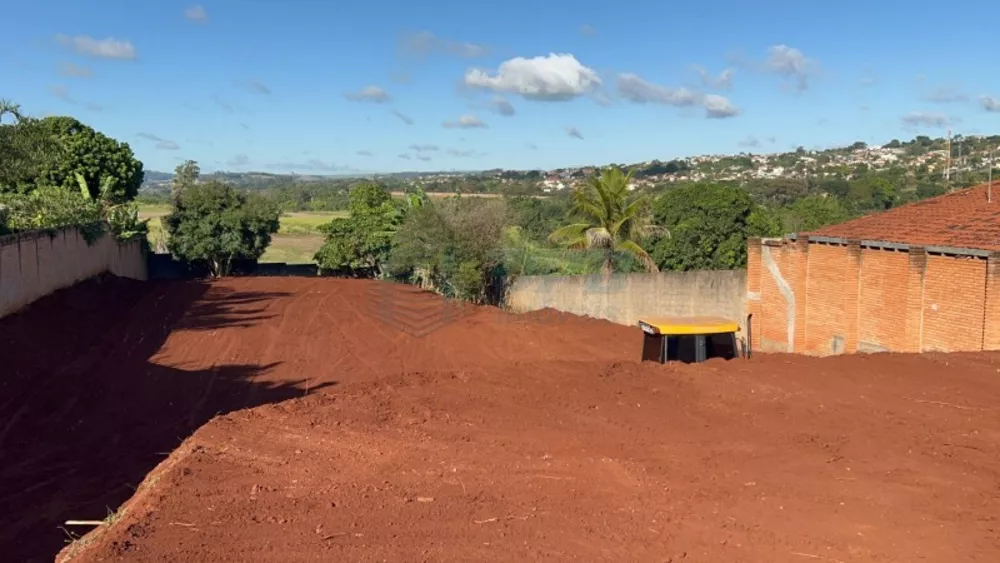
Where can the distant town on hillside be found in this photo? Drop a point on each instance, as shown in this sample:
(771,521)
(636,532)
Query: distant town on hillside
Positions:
(959,161)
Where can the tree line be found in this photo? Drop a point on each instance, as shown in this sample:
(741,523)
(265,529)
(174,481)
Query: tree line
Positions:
(57,172)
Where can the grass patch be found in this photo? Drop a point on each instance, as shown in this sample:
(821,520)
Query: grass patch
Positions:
(298,223)
(148,210)
(293,249)
(296,242)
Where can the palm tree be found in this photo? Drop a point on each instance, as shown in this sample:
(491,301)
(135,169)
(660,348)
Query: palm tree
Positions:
(8,107)
(609,219)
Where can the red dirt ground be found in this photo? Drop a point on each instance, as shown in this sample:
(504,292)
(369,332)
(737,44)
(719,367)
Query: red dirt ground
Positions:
(472,436)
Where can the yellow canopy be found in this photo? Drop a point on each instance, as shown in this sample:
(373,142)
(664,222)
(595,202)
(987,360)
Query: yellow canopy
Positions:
(673,326)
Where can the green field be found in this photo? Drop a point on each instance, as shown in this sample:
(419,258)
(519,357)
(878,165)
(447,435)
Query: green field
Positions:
(296,242)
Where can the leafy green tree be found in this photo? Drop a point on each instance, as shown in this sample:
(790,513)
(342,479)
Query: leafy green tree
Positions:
(708,226)
(185,176)
(100,159)
(814,212)
(456,247)
(24,147)
(8,107)
(608,218)
(927,189)
(873,192)
(538,217)
(360,243)
(52,208)
(215,224)
(764,222)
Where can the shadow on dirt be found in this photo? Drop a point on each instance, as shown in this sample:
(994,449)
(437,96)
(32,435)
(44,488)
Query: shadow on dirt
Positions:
(85,415)
(224,307)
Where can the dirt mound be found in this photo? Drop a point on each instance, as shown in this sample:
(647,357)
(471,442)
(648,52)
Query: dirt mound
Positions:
(418,430)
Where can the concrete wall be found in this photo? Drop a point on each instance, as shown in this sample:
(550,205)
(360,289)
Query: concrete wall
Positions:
(33,265)
(626,297)
(823,298)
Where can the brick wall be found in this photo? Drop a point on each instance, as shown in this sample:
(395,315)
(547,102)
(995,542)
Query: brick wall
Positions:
(824,298)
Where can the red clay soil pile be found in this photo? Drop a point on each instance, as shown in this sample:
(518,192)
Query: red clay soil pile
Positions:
(420,431)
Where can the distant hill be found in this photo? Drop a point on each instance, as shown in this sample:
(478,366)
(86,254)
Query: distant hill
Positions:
(923,158)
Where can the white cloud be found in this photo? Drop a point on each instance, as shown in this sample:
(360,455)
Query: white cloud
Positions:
(792,65)
(869,78)
(365,153)
(401,77)
(574,132)
(990,103)
(254,86)
(424,43)
(161,143)
(639,91)
(238,160)
(423,148)
(719,107)
(921,119)
(62,93)
(228,107)
(311,165)
(465,122)
(723,81)
(636,90)
(196,14)
(463,153)
(75,71)
(109,48)
(502,106)
(946,95)
(556,77)
(403,117)
(372,94)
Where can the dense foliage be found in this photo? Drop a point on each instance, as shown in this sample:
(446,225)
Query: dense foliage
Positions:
(57,172)
(359,245)
(605,216)
(214,224)
(101,160)
(455,246)
(51,208)
(706,227)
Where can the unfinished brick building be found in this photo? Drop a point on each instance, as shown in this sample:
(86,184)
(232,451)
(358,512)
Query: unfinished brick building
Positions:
(921,277)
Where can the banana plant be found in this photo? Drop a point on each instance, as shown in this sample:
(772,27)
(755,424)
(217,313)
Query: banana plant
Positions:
(123,217)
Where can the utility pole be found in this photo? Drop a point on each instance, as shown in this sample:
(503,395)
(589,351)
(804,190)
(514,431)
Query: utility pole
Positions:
(947,164)
(958,173)
(989,181)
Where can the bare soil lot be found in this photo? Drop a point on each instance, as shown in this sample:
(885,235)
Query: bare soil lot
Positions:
(391,426)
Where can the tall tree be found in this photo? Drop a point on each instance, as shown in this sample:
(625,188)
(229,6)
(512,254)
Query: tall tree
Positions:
(455,246)
(185,176)
(24,148)
(608,218)
(708,225)
(360,243)
(101,160)
(8,107)
(215,224)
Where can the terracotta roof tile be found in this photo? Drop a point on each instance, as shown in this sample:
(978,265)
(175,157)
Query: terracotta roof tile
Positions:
(961,219)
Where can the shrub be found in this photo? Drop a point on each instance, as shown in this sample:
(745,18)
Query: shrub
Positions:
(213,224)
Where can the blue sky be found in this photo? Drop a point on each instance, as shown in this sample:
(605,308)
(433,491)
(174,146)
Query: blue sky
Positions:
(324,86)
